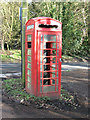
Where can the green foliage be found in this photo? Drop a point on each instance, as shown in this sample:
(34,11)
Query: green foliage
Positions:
(11,24)
(74,18)
(12,55)
(14,87)
(74,24)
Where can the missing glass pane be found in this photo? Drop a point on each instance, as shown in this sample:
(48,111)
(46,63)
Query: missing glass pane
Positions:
(29,44)
(46,82)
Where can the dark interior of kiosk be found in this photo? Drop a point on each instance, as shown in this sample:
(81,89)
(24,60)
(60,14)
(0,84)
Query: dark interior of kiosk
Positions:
(47,67)
(29,44)
(48,60)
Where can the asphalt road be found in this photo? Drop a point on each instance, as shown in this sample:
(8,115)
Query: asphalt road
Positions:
(74,78)
(16,67)
(10,68)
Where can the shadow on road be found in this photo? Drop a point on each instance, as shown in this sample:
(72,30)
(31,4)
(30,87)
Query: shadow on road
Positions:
(76,82)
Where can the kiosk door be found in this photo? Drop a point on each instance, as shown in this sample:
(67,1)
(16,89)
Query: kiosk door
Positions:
(49,65)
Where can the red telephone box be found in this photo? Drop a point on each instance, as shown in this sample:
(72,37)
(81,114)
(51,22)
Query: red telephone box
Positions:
(43,44)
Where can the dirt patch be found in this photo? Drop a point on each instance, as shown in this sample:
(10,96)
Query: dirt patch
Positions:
(51,109)
(14,110)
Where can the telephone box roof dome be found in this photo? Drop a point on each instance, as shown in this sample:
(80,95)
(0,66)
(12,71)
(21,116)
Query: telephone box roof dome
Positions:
(44,18)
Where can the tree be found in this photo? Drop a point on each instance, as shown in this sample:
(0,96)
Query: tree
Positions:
(74,18)
(10,23)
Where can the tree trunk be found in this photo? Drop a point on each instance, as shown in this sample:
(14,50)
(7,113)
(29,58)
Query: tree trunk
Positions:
(7,46)
(2,43)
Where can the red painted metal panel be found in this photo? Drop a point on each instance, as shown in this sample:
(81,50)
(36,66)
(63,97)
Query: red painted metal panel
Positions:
(37,27)
(59,85)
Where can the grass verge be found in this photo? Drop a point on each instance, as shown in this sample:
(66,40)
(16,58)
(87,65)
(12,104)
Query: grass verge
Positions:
(14,89)
(11,56)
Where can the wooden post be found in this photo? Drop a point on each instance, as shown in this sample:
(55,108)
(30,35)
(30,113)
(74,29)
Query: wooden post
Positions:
(23,21)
